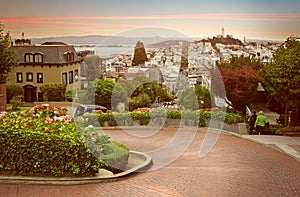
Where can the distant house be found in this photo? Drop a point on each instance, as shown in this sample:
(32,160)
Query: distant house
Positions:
(134,72)
(48,63)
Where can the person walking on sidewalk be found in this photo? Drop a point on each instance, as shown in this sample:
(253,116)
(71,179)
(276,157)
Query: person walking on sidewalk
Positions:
(260,123)
(251,121)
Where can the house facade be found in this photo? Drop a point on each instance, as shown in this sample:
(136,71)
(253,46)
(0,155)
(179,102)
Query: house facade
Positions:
(48,63)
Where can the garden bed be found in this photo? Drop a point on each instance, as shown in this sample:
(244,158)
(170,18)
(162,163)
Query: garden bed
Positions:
(45,141)
(137,162)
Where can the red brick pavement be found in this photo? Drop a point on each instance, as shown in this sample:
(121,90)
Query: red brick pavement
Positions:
(234,167)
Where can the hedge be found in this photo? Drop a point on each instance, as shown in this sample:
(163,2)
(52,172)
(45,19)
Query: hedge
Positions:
(195,118)
(115,156)
(288,129)
(24,152)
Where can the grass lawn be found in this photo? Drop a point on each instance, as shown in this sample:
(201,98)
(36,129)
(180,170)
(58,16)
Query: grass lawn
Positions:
(8,109)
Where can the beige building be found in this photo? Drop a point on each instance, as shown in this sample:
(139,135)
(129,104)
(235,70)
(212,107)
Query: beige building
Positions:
(48,63)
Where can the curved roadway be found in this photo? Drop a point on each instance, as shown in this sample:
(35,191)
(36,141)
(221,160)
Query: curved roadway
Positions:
(234,167)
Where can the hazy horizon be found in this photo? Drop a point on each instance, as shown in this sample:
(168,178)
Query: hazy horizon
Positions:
(264,20)
(129,37)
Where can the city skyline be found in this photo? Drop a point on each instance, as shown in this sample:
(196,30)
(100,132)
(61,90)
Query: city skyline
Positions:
(271,20)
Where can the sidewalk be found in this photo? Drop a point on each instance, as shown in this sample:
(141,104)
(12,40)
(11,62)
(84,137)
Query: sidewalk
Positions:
(285,144)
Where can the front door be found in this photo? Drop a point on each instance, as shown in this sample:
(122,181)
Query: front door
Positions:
(29,93)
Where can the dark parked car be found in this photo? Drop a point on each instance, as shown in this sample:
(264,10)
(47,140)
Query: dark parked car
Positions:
(82,109)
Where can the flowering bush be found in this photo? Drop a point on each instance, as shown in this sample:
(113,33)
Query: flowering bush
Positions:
(45,140)
(144,109)
(42,118)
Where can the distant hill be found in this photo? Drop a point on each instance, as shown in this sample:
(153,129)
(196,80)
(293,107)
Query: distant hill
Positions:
(103,40)
(167,43)
(223,40)
(91,39)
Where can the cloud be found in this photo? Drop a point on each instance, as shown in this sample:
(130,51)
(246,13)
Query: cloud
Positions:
(214,16)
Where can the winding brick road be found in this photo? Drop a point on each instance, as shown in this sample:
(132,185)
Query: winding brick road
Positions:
(234,167)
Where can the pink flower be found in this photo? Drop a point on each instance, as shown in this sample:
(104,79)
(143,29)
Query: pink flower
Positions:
(48,120)
(46,130)
(94,139)
(2,114)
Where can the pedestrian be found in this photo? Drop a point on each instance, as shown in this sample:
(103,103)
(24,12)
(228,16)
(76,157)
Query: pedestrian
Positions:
(260,123)
(252,120)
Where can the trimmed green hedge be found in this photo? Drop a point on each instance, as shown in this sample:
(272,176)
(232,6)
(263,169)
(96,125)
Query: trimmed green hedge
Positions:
(115,156)
(24,152)
(196,118)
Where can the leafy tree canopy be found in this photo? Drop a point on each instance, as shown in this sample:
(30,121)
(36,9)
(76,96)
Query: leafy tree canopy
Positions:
(7,62)
(281,77)
(196,98)
(240,80)
(93,62)
(103,92)
(239,62)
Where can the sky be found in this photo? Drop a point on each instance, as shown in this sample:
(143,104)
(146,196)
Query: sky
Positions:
(255,19)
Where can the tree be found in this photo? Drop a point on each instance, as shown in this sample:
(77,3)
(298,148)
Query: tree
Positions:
(281,77)
(108,94)
(127,85)
(93,62)
(240,80)
(196,98)
(103,92)
(163,94)
(184,57)
(7,63)
(140,56)
(140,101)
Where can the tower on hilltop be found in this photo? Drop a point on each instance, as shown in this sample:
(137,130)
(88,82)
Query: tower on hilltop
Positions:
(223,32)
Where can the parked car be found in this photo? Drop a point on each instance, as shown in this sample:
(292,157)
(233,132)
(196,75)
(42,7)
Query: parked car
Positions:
(84,108)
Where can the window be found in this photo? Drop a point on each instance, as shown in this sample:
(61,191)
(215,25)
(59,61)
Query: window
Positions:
(39,77)
(71,77)
(69,56)
(38,58)
(29,57)
(19,78)
(29,76)
(64,78)
(76,73)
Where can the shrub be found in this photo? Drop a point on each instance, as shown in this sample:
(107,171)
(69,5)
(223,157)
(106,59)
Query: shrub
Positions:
(30,152)
(232,118)
(174,114)
(16,104)
(274,128)
(115,156)
(53,92)
(69,95)
(288,129)
(44,140)
(144,117)
(12,91)
(123,119)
